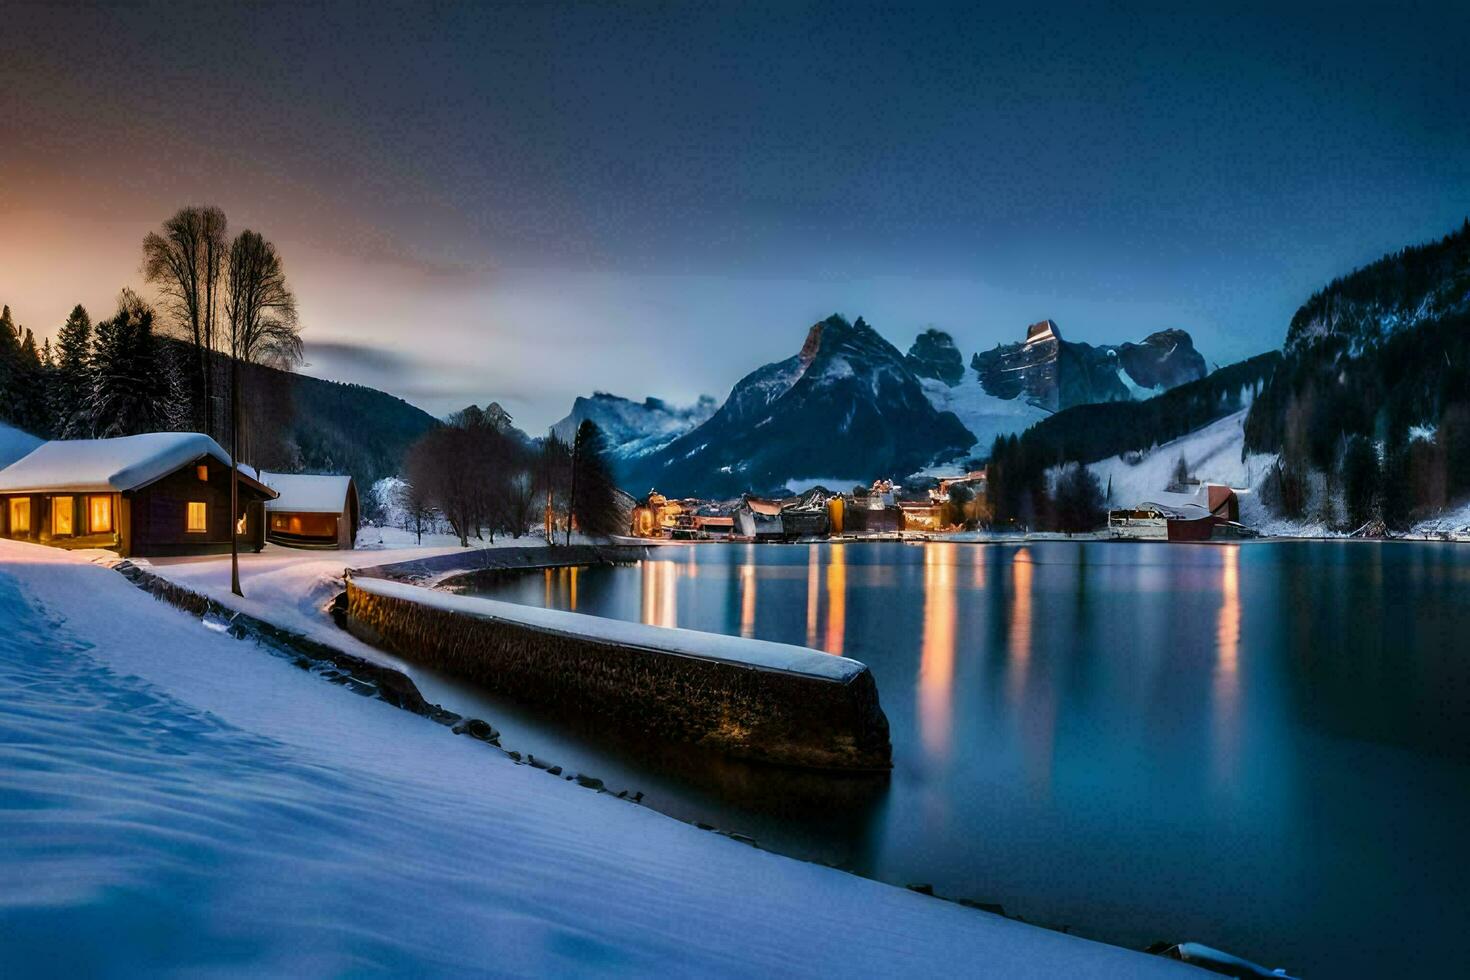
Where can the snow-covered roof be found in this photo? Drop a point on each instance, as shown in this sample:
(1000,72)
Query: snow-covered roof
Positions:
(306,493)
(15,443)
(107,465)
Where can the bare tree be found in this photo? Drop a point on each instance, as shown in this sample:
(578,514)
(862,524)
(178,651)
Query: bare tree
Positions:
(416,507)
(260,311)
(186,262)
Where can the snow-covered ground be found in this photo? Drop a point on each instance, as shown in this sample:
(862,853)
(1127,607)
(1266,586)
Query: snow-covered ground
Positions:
(1211,454)
(179,801)
(15,443)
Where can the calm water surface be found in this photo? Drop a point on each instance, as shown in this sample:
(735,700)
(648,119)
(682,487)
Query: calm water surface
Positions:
(1263,747)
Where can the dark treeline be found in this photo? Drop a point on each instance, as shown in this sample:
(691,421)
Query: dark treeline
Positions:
(1370,411)
(1421,279)
(115,378)
(1016,473)
(481,478)
(1389,432)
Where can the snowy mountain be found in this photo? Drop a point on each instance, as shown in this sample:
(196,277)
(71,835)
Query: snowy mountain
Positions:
(1053,374)
(846,405)
(1013,386)
(634,429)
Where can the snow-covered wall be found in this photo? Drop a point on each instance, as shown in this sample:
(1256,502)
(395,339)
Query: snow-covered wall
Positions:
(747,698)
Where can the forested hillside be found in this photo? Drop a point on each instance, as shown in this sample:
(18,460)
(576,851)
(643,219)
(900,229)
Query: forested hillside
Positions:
(1374,392)
(1087,433)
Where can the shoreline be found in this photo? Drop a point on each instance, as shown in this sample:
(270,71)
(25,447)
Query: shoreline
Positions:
(394,687)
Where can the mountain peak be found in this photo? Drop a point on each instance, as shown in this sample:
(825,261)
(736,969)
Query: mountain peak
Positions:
(934,355)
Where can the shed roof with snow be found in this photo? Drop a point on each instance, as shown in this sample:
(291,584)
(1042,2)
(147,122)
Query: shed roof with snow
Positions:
(308,493)
(109,465)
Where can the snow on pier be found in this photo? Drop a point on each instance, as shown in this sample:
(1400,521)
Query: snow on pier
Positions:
(743,697)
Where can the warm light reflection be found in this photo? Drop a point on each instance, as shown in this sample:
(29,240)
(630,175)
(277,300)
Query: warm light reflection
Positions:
(813,585)
(1020,625)
(836,599)
(547,600)
(747,594)
(1226,684)
(936,666)
(572,599)
(660,593)
(979,554)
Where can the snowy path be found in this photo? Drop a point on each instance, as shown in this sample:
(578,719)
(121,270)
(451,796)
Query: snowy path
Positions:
(172,799)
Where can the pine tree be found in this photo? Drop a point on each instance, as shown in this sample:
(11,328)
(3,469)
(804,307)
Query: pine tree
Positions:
(135,384)
(593,494)
(10,409)
(30,388)
(72,382)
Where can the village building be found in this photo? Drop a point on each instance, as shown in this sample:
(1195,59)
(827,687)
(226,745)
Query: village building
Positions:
(311,511)
(1211,511)
(757,519)
(714,525)
(155,494)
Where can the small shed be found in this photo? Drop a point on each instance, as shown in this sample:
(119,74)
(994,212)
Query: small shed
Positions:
(311,510)
(154,494)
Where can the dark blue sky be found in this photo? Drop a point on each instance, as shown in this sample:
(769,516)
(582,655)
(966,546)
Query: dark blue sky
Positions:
(529,201)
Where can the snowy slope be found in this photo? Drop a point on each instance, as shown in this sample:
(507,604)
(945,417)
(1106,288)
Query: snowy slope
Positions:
(15,444)
(985,415)
(1212,454)
(210,808)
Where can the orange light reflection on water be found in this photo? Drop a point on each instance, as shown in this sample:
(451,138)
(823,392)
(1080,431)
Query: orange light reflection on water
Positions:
(1020,625)
(836,599)
(660,593)
(813,592)
(747,593)
(936,664)
(1226,682)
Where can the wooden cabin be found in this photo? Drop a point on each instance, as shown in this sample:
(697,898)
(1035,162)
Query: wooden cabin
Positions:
(155,494)
(311,510)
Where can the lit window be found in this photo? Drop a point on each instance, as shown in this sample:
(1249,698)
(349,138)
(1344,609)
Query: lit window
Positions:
(20,515)
(202,470)
(240,525)
(198,517)
(61,515)
(99,514)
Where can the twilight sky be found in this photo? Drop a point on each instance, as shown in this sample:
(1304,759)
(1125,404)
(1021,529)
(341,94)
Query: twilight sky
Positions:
(526,202)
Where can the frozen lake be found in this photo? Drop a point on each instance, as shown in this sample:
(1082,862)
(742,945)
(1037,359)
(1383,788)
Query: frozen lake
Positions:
(1262,747)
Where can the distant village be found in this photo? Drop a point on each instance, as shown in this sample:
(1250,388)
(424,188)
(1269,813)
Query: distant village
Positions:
(953,505)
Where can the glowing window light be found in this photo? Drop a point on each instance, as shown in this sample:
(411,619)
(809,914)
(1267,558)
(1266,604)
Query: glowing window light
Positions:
(20,515)
(61,515)
(99,514)
(198,517)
